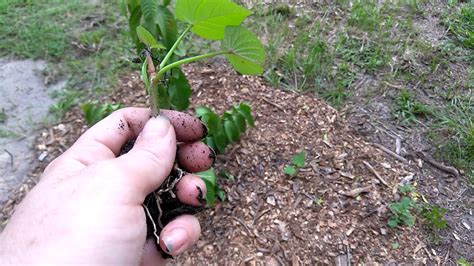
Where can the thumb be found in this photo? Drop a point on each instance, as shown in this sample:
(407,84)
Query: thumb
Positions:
(152,157)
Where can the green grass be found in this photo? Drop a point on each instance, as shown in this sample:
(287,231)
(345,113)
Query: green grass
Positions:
(454,135)
(85,43)
(461,25)
(408,109)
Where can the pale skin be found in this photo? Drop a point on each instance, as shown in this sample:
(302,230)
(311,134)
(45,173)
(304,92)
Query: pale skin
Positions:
(87,207)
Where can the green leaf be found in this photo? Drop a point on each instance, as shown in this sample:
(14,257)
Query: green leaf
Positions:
(221,194)
(246,52)
(201,110)
(209,141)
(239,120)
(213,123)
(167,25)
(163,96)
(134,22)
(132,4)
(221,141)
(246,111)
(145,37)
(123,7)
(299,159)
(209,178)
(227,175)
(150,12)
(210,17)
(231,130)
(392,222)
(289,170)
(179,90)
(166,2)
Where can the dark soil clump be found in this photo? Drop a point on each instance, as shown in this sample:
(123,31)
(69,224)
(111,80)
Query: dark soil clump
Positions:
(163,205)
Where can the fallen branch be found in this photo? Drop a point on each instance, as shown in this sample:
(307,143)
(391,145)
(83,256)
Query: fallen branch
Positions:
(389,152)
(440,166)
(375,173)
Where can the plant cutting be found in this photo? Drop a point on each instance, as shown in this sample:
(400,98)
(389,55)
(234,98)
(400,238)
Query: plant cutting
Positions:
(154,30)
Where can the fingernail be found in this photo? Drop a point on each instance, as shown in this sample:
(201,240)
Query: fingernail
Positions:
(156,127)
(201,197)
(205,130)
(175,240)
(212,155)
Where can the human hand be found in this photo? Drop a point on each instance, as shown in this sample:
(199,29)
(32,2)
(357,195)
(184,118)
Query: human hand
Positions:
(87,206)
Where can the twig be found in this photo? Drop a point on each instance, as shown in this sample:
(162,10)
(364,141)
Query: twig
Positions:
(440,166)
(11,157)
(273,104)
(357,191)
(389,152)
(375,173)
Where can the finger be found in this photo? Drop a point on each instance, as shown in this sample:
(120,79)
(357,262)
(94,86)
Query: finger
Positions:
(151,256)
(151,159)
(191,190)
(195,157)
(188,128)
(180,234)
(105,139)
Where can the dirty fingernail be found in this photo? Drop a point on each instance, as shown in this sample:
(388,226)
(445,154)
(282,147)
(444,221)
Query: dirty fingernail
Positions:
(175,240)
(212,155)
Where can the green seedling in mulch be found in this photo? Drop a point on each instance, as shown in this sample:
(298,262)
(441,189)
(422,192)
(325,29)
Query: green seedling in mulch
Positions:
(408,109)
(94,112)
(225,129)
(159,45)
(404,212)
(298,161)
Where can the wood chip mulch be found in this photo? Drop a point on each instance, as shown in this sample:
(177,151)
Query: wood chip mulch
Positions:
(333,212)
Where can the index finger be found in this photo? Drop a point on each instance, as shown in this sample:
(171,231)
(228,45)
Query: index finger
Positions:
(105,139)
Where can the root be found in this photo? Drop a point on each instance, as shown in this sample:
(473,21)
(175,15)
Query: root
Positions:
(169,186)
(153,223)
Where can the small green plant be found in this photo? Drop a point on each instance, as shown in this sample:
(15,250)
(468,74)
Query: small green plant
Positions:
(94,111)
(67,100)
(298,161)
(227,128)
(154,31)
(153,28)
(463,262)
(408,108)
(434,217)
(402,213)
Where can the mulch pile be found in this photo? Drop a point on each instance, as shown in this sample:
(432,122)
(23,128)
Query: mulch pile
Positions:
(334,211)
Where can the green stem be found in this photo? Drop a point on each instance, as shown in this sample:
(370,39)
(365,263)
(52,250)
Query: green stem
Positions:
(188,60)
(175,45)
(155,109)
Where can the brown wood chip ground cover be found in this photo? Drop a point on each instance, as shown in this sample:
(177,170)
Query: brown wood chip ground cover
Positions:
(268,217)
